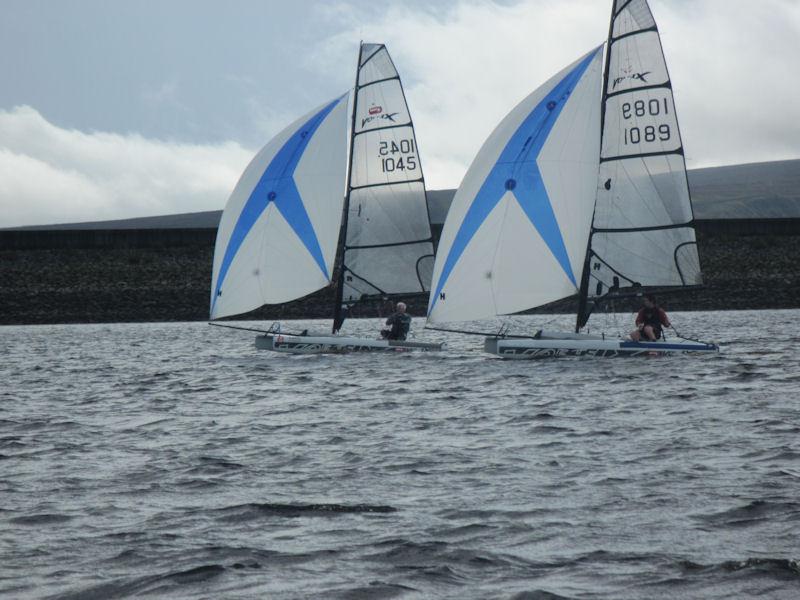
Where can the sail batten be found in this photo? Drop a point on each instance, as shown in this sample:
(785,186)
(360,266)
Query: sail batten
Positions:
(394,78)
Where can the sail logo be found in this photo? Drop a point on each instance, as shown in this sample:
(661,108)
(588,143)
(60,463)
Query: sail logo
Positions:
(633,77)
(376,115)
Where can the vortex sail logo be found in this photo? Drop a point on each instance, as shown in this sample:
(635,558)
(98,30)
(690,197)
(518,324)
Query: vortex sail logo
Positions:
(633,77)
(375,114)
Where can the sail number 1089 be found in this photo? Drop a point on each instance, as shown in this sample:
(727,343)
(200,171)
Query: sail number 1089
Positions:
(649,133)
(390,161)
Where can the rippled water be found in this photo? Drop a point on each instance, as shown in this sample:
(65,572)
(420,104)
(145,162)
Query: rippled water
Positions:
(174,460)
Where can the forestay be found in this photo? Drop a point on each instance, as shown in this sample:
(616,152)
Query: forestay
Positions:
(516,233)
(642,232)
(388,247)
(278,234)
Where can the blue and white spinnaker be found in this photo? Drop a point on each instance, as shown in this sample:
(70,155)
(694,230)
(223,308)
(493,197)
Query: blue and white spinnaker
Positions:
(516,233)
(278,235)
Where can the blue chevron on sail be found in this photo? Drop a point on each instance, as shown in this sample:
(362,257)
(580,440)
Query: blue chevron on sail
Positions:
(289,200)
(516,175)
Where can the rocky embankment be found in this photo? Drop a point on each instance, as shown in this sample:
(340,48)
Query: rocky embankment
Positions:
(172,282)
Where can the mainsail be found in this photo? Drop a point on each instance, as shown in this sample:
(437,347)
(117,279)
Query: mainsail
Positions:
(278,234)
(642,232)
(516,233)
(387,244)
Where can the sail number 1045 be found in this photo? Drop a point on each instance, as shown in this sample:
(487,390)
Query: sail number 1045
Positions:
(648,133)
(398,155)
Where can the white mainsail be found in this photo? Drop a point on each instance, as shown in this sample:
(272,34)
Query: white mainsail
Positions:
(388,248)
(642,232)
(516,233)
(278,234)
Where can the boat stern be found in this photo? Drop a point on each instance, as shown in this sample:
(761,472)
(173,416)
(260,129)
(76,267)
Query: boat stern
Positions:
(265,342)
(490,345)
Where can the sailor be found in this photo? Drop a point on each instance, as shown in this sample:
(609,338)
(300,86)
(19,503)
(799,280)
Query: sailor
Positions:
(398,324)
(649,321)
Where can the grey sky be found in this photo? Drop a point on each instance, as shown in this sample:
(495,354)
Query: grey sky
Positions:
(193,70)
(130,108)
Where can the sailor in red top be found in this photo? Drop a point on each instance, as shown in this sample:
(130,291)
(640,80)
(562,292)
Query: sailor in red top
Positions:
(649,321)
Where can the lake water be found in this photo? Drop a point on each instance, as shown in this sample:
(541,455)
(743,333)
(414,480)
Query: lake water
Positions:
(174,460)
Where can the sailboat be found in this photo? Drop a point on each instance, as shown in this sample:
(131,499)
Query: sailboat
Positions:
(581,189)
(338,197)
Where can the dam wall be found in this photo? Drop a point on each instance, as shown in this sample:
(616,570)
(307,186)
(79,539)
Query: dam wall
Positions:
(144,275)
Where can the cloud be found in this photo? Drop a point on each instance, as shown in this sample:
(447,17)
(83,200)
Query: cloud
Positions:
(735,92)
(466,66)
(54,175)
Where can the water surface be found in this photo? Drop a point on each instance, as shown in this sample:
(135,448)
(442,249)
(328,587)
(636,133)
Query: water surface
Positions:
(175,460)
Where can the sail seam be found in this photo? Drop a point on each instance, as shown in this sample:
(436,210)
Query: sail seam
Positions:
(678,151)
(666,85)
(614,40)
(374,185)
(390,245)
(409,124)
(361,87)
(649,228)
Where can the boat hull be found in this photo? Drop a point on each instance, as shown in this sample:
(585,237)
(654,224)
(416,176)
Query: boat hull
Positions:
(335,344)
(577,345)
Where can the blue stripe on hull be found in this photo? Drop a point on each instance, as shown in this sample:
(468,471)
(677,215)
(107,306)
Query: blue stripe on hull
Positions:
(665,346)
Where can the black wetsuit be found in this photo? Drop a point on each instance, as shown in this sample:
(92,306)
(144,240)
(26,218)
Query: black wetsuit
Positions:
(400,323)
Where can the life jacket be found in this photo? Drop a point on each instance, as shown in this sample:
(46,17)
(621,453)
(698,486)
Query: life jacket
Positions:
(651,316)
(401,323)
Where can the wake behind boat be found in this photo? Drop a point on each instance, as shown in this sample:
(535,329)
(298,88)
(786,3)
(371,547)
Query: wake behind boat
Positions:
(582,189)
(308,213)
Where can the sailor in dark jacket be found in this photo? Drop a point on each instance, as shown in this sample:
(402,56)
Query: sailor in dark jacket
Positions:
(398,324)
(649,321)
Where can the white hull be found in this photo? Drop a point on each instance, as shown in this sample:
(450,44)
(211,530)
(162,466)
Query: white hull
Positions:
(554,345)
(336,344)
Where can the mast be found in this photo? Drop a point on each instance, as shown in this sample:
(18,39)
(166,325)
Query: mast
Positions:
(338,313)
(583,293)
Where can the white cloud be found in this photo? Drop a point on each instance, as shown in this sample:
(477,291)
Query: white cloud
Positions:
(464,66)
(734,69)
(54,175)
(732,64)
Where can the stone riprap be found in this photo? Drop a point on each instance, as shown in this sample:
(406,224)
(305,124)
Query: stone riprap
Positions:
(120,282)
